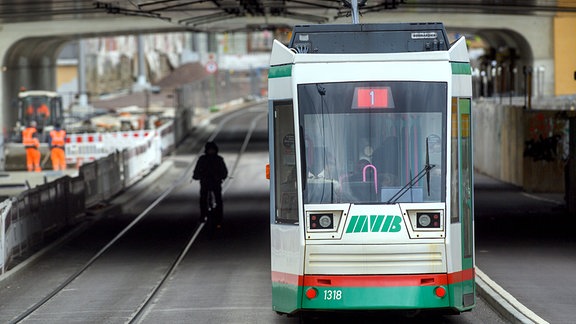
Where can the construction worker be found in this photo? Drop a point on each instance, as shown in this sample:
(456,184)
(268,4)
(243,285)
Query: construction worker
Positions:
(38,109)
(32,145)
(57,153)
(43,111)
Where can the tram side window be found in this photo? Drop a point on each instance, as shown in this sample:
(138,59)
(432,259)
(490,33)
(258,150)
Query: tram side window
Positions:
(461,173)
(285,164)
(466,174)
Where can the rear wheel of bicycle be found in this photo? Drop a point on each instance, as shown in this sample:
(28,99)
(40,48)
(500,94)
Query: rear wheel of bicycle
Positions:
(210,216)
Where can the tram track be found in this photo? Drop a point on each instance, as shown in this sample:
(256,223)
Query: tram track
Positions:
(144,307)
(139,311)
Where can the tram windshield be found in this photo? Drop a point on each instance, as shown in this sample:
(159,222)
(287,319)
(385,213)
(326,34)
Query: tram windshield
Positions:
(373,142)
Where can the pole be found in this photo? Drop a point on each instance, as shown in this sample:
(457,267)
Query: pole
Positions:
(355,19)
(82,93)
(141,68)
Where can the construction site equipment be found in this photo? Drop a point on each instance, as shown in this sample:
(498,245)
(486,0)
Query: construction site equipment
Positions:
(43,107)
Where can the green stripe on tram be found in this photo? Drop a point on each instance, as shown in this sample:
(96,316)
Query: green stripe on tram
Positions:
(356,298)
(286,298)
(461,68)
(280,71)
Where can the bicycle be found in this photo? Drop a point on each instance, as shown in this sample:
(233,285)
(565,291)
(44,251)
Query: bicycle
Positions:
(212,212)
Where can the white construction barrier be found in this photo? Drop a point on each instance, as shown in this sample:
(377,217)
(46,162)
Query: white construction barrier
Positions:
(112,162)
(88,147)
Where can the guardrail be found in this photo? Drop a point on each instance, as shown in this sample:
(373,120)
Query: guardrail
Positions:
(120,159)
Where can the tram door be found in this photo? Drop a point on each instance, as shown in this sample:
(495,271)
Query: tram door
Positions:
(286,245)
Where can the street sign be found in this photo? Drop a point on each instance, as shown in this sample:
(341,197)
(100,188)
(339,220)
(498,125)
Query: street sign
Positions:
(211,67)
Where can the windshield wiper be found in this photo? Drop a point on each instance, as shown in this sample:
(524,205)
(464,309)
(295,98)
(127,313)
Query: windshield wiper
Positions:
(424,172)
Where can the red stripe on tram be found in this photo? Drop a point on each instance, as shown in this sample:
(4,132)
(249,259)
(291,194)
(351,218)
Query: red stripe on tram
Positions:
(287,278)
(374,280)
(460,276)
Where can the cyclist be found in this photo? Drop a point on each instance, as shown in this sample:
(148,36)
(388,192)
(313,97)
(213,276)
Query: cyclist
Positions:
(211,171)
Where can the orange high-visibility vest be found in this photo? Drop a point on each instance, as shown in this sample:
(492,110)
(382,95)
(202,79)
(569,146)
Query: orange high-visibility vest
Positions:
(58,137)
(43,110)
(29,139)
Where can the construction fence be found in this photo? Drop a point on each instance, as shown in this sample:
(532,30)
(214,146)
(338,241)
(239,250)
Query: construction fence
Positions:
(113,163)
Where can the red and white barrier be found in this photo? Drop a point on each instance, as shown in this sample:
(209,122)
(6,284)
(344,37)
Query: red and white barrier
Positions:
(87,147)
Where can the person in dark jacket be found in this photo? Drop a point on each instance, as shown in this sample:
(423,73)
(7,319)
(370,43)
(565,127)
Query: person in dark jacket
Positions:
(211,171)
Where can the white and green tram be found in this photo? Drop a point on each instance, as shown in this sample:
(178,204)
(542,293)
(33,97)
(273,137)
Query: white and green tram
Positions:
(371,169)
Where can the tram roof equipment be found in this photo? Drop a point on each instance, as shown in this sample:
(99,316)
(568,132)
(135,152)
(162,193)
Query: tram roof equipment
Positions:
(369,38)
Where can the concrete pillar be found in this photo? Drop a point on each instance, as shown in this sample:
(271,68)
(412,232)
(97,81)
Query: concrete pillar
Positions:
(194,42)
(141,83)
(82,93)
(212,43)
(44,75)
(23,71)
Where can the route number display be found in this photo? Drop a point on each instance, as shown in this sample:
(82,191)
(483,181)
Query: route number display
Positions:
(372,98)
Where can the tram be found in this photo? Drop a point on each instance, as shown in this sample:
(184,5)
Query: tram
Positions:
(371,170)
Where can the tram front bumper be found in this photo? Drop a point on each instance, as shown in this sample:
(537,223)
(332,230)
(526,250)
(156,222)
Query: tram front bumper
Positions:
(376,292)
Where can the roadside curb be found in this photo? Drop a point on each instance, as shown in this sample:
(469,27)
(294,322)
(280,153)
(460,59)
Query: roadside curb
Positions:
(504,302)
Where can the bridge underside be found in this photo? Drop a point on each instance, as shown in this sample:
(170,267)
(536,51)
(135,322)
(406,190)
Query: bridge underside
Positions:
(240,15)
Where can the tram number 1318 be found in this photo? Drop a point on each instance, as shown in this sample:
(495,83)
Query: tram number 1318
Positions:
(335,294)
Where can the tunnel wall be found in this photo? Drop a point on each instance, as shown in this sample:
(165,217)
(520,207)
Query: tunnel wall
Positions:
(526,148)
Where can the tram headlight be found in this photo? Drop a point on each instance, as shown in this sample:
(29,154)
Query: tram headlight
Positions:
(428,220)
(321,221)
(424,220)
(326,221)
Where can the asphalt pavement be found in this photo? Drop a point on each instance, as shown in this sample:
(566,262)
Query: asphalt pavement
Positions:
(525,244)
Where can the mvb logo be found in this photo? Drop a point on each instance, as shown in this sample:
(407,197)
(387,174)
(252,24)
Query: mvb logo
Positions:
(374,223)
